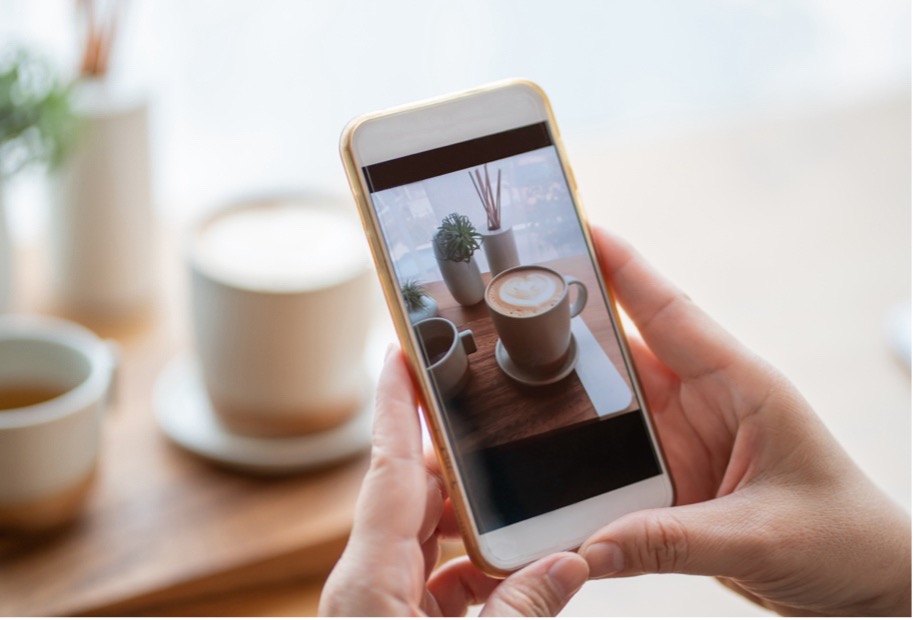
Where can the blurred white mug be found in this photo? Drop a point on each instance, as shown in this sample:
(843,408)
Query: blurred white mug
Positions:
(281,308)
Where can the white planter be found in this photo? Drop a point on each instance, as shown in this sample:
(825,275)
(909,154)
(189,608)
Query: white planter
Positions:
(6,260)
(463,280)
(429,310)
(499,246)
(102,222)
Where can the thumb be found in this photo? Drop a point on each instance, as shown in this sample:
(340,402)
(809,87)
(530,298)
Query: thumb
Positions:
(541,589)
(717,537)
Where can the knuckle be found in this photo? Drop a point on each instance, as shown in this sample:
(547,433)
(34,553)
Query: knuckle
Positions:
(529,602)
(384,458)
(666,544)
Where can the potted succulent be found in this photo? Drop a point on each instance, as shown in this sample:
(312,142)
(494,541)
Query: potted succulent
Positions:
(454,245)
(419,304)
(36,125)
(498,240)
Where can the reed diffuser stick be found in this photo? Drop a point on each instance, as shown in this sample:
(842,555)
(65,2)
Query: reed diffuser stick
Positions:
(101,27)
(492,203)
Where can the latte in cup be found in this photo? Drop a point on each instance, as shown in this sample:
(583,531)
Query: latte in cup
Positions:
(281,303)
(526,291)
(531,309)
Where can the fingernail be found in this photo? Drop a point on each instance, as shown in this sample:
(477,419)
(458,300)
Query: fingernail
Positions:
(604,559)
(389,350)
(568,574)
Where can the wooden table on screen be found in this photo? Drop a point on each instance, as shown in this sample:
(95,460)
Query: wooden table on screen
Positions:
(524,411)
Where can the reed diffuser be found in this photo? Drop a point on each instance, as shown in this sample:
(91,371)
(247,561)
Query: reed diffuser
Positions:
(498,240)
(100,28)
(103,229)
(492,204)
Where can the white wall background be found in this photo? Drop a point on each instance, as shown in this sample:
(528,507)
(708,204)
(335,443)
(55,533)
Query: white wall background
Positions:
(252,95)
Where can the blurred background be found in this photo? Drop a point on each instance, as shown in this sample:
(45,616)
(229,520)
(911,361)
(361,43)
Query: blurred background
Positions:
(253,95)
(758,151)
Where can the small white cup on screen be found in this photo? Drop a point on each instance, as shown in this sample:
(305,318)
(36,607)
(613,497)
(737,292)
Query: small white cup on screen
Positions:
(446,350)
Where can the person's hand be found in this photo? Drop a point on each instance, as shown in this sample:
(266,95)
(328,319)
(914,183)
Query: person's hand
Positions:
(386,568)
(768,501)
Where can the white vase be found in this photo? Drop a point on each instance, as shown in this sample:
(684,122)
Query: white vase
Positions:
(463,280)
(102,222)
(6,259)
(499,246)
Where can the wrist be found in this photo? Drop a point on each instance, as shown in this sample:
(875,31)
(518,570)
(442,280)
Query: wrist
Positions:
(893,586)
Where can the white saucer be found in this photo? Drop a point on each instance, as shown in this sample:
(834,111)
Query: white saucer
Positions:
(185,415)
(523,375)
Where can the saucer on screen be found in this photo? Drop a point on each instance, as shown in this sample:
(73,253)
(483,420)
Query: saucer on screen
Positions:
(529,377)
(184,414)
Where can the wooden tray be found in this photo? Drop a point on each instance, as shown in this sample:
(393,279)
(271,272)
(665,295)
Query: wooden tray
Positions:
(161,525)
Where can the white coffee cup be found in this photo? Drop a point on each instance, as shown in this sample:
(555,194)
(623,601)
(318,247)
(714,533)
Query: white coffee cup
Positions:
(531,311)
(446,350)
(55,383)
(282,304)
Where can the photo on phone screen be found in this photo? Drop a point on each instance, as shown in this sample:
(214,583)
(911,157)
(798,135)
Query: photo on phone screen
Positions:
(526,362)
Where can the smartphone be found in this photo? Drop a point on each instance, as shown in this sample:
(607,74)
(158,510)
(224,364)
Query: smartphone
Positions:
(522,368)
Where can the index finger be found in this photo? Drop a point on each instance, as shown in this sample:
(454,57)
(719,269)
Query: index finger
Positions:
(396,481)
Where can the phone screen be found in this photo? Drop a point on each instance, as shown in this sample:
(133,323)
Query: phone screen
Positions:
(526,362)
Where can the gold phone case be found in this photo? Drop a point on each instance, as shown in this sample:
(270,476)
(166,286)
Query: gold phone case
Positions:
(399,313)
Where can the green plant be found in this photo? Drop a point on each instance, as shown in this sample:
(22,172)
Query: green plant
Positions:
(492,202)
(36,122)
(414,295)
(456,239)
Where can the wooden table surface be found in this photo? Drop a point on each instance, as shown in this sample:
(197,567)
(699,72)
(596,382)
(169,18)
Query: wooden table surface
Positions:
(165,532)
(524,411)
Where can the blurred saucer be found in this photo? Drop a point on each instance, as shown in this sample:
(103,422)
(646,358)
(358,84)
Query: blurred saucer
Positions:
(184,414)
(529,377)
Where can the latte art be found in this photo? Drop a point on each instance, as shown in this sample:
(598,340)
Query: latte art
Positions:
(528,289)
(526,292)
